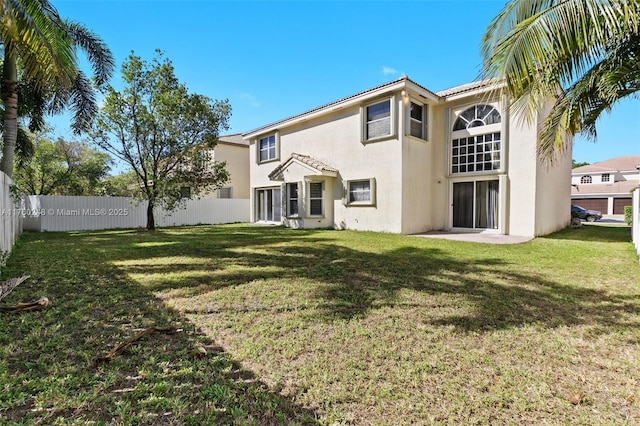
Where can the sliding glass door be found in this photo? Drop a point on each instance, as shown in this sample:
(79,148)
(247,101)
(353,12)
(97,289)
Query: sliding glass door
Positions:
(476,204)
(268,205)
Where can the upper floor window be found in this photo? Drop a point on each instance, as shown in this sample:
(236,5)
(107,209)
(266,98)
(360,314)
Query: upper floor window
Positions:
(476,153)
(476,148)
(477,116)
(185,192)
(606,177)
(267,148)
(224,192)
(586,179)
(417,125)
(378,122)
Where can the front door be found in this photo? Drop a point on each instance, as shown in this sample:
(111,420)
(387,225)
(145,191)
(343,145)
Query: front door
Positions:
(476,204)
(269,205)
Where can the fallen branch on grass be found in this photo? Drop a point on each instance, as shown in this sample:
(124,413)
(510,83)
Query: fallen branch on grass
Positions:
(28,306)
(107,357)
(7,287)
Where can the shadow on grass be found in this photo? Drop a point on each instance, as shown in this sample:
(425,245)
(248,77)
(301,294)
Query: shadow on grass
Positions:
(594,232)
(497,294)
(351,282)
(47,371)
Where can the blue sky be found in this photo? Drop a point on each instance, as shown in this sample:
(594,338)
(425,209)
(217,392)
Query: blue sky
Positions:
(277,59)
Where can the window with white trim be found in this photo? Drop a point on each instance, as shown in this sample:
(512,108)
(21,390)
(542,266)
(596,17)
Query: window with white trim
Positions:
(293,193)
(360,192)
(476,153)
(606,177)
(477,116)
(378,121)
(316,199)
(476,144)
(586,179)
(417,120)
(267,148)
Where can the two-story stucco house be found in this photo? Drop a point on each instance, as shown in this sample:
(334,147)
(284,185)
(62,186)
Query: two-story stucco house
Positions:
(606,185)
(400,158)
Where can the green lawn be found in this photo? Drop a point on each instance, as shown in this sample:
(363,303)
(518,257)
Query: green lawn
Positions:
(323,327)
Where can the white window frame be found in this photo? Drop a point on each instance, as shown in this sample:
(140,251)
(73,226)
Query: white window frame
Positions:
(276,141)
(606,177)
(586,179)
(309,198)
(288,187)
(372,193)
(497,156)
(392,119)
(424,123)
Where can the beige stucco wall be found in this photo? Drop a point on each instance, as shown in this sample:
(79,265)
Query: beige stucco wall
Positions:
(521,168)
(553,189)
(237,158)
(335,140)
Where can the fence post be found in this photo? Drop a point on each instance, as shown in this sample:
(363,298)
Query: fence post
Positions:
(11,213)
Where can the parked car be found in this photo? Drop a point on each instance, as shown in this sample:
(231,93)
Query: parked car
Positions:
(588,215)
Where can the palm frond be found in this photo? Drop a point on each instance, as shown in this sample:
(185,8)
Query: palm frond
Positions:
(578,109)
(97,51)
(542,48)
(33,34)
(83,104)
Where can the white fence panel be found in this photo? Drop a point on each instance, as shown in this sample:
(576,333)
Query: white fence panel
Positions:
(10,215)
(635,217)
(66,213)
(204,211)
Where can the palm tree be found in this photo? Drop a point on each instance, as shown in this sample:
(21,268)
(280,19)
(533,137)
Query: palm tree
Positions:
(39,51)
(582,55)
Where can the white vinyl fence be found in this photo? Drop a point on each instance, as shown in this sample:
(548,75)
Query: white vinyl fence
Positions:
(10,215)
(65,213)
(635,217)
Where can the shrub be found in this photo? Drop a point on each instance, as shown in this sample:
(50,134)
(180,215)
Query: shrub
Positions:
(628,214)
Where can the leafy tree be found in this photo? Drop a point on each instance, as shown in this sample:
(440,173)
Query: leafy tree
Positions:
(39,61)
(62,168)
(580,54)
(575,164)
(162,132)
(122,185)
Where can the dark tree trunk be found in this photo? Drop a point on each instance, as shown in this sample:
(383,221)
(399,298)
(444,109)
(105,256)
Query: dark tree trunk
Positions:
(10,117)
(151,223)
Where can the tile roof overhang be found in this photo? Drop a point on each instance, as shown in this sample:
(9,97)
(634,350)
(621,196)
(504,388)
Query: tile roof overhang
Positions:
(235,139)
(397,85)
(625,163)
(315,166)
(622,188)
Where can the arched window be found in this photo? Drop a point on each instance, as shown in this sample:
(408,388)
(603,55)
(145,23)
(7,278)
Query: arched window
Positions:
(477,116)
(586,179)
(477,149)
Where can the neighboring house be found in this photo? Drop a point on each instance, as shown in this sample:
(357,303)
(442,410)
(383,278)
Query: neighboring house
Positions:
(606,186)
(400,158)
(235,151)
